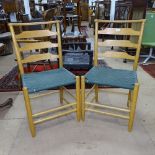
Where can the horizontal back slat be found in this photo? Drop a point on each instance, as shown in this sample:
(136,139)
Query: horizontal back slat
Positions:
(118,43)
(119,31)
(35,34)
(39,57)
(116,54)
(38,45)
(28,40)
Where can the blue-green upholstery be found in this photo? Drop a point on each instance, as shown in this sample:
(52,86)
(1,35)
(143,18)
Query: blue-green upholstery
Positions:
(112,77)
(47,79)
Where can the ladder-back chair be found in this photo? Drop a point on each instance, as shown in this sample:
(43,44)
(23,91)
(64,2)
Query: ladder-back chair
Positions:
(115,78)
(45,80)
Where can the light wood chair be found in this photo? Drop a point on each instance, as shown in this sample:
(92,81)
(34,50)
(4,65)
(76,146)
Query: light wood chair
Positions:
(115,78)
(45,80)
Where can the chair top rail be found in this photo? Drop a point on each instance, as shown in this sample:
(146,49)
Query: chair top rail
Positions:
(38,45)
(34,23)
(119,31)
(118,43)
(39,57)
(35,34)
(120,21)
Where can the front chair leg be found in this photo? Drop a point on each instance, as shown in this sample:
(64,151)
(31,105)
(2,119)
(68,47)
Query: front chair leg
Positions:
(83,96)
(29,112)
(78,102)
(133,107)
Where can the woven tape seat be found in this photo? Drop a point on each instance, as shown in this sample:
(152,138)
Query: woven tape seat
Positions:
(48,79)
(112,77)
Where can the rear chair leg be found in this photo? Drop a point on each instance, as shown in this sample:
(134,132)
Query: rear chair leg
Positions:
(83,97)
(19,80)
(96,93)
(133,107)
(78,102)
(29,112)
(61,95)
(129,98)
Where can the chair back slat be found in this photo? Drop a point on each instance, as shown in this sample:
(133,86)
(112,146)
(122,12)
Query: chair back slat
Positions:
(30,41)
(35,34)
(119,31)
(39,57)
(118,43)
(118,36)
(116,54)
(37,46)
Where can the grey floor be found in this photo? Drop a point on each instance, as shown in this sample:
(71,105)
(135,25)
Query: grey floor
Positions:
(98,135)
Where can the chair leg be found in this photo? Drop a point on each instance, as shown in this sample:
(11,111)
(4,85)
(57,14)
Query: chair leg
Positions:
(133,107)
(19,80)
(29,112)
(61,95)
(129,98)
(83,96)
(96,93)
(78,102)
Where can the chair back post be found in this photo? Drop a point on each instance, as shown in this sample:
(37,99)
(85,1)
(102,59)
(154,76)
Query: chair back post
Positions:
(135,65)
(59,44)
(123,43)
(18,56)
(36,40)
(96,44)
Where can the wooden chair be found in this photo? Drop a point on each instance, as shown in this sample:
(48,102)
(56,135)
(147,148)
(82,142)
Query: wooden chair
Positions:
(117,78)
(71,14)
(45,80)
(50,14)
(2,48)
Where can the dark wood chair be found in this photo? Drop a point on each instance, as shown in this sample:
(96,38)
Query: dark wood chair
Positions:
(5,38)
(72,14)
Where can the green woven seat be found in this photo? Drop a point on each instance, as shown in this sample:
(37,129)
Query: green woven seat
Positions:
(112,77)
(48,79)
